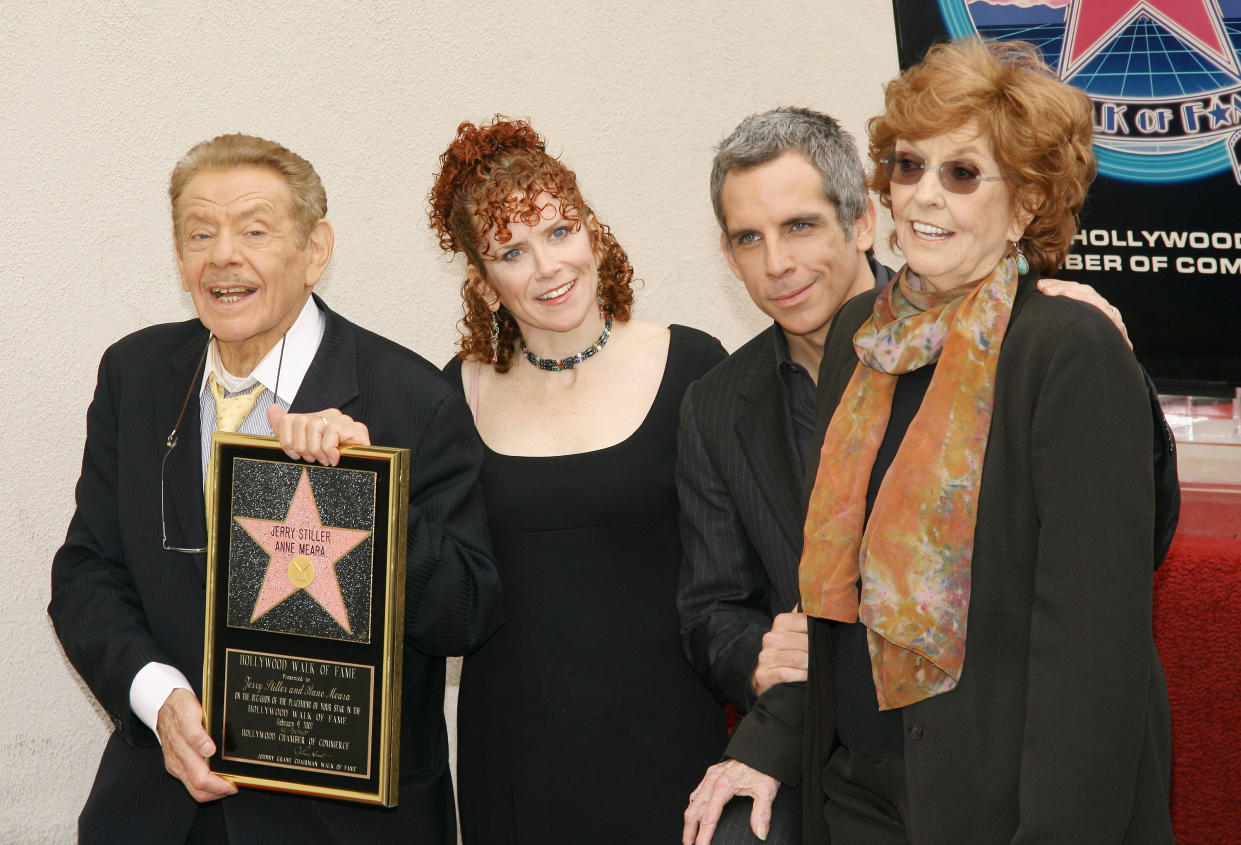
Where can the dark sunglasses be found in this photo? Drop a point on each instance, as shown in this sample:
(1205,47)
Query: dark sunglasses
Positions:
(957,177)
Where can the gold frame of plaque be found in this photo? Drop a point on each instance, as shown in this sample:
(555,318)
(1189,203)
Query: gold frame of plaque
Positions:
(304,629)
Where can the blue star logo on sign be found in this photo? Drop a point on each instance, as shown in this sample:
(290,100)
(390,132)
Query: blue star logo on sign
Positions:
(1164,75)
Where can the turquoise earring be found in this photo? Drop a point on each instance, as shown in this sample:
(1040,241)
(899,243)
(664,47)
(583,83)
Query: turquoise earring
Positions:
(1023,266)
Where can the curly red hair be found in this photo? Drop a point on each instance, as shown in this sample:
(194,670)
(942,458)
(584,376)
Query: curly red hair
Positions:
(489,176)
(1038,127)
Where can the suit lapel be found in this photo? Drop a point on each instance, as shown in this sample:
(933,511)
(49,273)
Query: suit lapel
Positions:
(332,380)
(185,517)
(764,431)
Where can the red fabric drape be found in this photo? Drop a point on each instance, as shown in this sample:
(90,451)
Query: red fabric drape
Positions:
(1197,618)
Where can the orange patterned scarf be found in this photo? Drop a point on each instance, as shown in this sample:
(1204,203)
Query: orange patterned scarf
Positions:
(913,558)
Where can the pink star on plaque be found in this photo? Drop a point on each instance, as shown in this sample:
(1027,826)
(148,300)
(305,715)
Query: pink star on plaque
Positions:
(303,554)
(1091,24)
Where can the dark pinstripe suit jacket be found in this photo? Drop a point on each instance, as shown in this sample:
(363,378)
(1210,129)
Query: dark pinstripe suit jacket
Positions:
(119,601)
(739,484)
(742,510)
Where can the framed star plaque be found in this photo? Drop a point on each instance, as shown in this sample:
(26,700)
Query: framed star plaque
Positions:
(305,618)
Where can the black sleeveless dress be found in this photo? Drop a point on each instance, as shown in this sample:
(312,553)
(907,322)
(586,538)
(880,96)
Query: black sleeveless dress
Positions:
(581,720)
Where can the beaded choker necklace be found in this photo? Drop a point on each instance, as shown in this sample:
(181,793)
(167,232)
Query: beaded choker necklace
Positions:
(556,365)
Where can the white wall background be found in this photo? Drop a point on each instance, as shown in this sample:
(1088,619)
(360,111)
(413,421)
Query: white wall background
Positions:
(97,101)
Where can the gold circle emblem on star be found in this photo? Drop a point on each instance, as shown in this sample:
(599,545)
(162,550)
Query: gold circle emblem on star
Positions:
(301,572)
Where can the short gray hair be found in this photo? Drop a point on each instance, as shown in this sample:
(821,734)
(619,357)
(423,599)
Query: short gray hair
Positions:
(763,137)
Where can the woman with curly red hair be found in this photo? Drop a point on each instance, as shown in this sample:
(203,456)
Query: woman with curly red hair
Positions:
(580,720)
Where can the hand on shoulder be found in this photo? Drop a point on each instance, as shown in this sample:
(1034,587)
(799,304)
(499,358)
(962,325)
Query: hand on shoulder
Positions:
(1089,296)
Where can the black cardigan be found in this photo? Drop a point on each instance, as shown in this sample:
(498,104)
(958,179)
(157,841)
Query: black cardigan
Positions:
(1059,728)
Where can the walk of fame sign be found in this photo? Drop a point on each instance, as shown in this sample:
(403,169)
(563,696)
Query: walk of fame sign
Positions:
(304,623)
(1158,234)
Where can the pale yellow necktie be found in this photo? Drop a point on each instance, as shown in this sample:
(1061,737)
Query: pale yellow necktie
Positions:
(231,411)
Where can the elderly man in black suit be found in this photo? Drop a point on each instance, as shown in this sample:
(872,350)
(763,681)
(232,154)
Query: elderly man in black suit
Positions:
(128,600)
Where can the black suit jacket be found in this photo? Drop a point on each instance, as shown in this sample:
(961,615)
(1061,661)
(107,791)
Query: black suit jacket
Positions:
(739,480)
(119,601)
(739,484)
(1059,728)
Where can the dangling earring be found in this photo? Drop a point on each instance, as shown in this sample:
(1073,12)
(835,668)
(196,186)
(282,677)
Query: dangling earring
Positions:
(495,338)
(599,293)
(1023,266)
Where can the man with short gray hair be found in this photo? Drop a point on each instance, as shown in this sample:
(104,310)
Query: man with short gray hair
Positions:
(251,243)
(796,227)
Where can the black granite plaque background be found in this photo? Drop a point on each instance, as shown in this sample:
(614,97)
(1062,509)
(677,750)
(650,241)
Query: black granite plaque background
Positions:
(345,499)
(298,712)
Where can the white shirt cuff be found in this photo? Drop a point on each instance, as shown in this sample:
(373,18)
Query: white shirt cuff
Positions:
(150,687)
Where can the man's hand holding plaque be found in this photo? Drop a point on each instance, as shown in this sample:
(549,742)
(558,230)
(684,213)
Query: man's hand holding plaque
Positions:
(319,436)
(186,745)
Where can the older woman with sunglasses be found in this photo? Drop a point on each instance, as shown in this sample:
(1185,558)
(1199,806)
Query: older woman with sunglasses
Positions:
(978,555)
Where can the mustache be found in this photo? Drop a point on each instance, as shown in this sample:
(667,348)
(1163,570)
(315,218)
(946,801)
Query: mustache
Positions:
(228,278)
